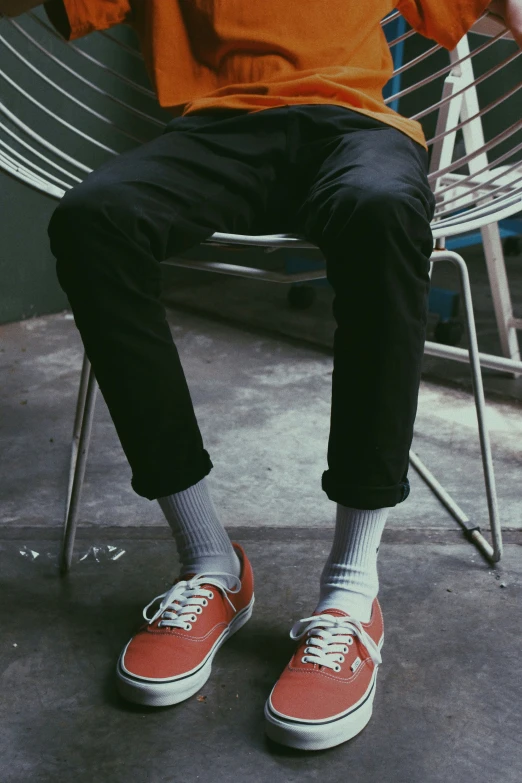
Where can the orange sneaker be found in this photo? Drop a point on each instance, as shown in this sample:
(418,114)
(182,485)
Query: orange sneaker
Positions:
(325,695)
(170,657)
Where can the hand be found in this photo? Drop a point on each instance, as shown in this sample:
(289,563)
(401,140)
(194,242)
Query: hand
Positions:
(510,11)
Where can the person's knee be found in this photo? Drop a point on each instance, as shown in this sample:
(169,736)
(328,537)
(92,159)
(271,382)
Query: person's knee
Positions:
(388,202)
(77,231)
(86,216)
(386,209)
(410,204)
(368,220)
(397,213)
(352,211)
(74,218)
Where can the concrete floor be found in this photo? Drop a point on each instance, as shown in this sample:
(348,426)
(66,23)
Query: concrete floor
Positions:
(448,703)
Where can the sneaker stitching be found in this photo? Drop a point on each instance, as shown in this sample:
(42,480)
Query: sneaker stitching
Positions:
(338,677)
(176,633)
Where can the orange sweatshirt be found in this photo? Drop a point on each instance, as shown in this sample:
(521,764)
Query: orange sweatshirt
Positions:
(259,54)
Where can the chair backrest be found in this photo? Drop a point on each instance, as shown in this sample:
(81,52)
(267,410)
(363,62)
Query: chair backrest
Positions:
(51,135)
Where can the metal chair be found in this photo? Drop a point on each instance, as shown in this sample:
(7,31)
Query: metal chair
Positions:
(479,199)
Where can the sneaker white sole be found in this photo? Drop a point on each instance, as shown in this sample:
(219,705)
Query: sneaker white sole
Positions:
(318,735)
(161,693)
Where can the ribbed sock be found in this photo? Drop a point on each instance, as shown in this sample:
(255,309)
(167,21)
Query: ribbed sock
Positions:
(202,542)
(349,580)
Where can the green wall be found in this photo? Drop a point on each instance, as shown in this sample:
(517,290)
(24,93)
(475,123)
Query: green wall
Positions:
(29,286)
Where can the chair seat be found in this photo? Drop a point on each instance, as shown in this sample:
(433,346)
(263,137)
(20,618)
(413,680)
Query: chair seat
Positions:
(259,240)
(502,207)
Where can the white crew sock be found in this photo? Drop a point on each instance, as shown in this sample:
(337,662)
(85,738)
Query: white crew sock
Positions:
(202,542)
(349,579)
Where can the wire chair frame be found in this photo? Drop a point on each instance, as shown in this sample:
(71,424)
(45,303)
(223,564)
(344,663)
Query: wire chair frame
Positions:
(480,199)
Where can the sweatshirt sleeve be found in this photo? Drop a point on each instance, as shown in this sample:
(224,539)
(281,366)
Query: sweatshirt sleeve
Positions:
(76,18)
(444,21)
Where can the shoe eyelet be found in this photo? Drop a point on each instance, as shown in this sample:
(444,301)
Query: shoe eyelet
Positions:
(337,668)
(303,659)
(193,618)
(341,658)
(205,602)
(199,610)
(350,640)
(210,595)
(188,627)
(345,650)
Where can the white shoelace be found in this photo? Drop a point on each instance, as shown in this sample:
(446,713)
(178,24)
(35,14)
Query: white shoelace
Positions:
(184,600)
(337,633)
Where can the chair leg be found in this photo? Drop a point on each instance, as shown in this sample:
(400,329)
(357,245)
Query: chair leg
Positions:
(498,281)
(493,553)
(79,450)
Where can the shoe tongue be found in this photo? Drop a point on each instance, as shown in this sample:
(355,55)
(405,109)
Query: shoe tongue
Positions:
(188,577)
(335,612)
(183,578)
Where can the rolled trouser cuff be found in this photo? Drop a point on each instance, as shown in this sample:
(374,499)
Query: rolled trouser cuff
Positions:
(171,479)
(361,497)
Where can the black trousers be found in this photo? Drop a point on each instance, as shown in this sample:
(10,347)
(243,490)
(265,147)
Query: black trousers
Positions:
(352,185)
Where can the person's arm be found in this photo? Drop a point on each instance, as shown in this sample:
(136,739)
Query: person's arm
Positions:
(17,7)
(509,14)
(75,18)
(447,21)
